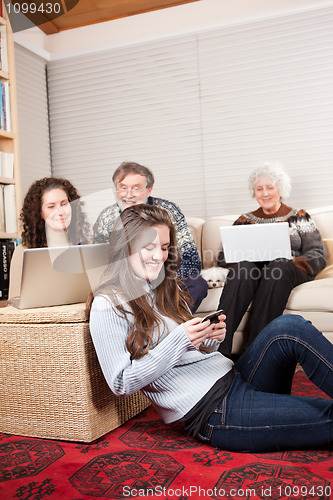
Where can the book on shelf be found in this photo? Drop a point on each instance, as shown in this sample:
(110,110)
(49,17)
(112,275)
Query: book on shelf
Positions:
(10,208)
(2,127)
(7,248)
(6,164)
(5,119)
(2,211)
(3,49)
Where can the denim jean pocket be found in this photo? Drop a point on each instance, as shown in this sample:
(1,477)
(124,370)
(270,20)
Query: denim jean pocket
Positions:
(216,420)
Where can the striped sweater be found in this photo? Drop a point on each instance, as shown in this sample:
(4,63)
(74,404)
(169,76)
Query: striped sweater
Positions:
(308,249)
(174,374)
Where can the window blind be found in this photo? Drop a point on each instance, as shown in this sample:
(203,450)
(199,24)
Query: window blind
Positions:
(33,122)
(267,94)
(138,103)
(201,111)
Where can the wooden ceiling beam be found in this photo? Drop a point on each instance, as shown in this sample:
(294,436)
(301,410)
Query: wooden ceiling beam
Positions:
(88,12)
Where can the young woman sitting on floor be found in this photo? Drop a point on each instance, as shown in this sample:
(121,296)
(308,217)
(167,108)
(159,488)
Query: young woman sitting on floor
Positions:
(146,339)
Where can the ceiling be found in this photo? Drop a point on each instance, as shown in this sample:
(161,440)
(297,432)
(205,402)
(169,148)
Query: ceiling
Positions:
(87,12)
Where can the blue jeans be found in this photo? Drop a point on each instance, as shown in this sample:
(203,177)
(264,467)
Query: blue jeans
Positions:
(259,413)
(197,287)
(267,286)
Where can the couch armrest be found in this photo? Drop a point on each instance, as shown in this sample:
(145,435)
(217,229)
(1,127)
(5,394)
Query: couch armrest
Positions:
(329,245)
(313,295)
(323,218)
(327,272)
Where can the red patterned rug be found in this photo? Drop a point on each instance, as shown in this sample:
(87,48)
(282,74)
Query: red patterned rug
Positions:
(147,459)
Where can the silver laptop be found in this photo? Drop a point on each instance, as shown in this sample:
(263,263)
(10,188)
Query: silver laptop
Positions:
(256,242)
(60,275)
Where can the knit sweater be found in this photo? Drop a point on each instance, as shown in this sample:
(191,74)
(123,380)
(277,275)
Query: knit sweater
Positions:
(174,374)
(307,247)
(190,264)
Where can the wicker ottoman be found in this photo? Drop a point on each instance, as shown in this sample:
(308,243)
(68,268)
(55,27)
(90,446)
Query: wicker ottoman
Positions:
(51,385)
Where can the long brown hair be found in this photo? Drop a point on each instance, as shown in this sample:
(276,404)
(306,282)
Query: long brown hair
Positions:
(120,281)
(33,234)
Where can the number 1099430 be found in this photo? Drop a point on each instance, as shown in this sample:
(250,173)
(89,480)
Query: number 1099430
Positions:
(34,8)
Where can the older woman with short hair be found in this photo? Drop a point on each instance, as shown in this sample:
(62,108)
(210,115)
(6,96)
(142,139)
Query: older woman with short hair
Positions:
(257,282)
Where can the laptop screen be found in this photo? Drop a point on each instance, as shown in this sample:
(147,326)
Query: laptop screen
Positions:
(60,275)
(256,242)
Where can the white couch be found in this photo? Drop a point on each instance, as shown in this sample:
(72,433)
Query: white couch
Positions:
(312,300)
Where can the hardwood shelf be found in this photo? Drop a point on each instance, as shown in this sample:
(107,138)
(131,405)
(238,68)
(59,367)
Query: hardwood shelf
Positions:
(7,180)
(9,140)
(7,135)
(4,76)
(8,236)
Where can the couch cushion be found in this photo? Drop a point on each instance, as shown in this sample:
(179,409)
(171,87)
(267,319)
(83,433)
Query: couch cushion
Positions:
(312,296)
(211,302)
(195,225)
(211,239)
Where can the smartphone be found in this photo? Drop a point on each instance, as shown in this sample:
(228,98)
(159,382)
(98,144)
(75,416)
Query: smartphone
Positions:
(213,317)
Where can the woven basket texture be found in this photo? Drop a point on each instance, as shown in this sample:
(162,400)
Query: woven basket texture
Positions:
(51,384)
(72,313)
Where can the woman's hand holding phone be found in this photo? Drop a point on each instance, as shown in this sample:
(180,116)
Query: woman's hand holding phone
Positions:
(217,320)
(211,326)
(213,317)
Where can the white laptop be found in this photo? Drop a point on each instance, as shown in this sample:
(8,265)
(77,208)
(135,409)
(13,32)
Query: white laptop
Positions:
(256,242)
(60,275)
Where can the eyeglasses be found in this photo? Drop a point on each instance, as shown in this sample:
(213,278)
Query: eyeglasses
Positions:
(134,190)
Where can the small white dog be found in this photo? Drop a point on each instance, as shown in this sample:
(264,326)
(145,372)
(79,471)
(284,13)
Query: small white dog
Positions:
(215,276)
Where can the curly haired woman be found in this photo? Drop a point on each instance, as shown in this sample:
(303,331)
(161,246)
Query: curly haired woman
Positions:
(52,215)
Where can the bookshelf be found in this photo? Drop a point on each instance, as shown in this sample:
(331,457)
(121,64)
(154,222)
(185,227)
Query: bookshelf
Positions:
(10,182)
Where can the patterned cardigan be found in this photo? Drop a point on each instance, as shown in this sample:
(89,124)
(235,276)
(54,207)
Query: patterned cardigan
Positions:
(308,249)
(190,264)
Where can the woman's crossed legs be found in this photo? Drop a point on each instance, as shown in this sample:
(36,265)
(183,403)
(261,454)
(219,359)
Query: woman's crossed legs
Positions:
(258,412)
